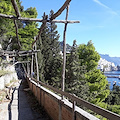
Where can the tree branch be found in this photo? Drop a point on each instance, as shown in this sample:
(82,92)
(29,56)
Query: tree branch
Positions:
(60,10)
(16,28)
(36,20)
(15,8)
(41,28)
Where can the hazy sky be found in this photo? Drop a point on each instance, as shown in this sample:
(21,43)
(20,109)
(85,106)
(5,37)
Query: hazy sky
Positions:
(99,22)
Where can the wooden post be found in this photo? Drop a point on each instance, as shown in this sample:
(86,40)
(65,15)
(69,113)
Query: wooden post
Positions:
(73,111)
(67,2)
(28,69)
(36,61)
(14,3)
(64,52)
(36,66)
(13,58)
(36,20)
(32,66)
(60,110)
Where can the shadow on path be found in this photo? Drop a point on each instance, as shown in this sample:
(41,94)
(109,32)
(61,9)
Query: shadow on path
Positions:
(23,105)
(9,105)
(24,110)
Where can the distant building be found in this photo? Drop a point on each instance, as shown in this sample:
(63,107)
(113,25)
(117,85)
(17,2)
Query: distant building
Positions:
(104,65)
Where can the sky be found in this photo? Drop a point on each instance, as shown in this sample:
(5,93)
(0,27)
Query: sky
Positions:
(99,22)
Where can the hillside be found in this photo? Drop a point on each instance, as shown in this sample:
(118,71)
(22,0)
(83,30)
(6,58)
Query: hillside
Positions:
(115,60)
(68,47)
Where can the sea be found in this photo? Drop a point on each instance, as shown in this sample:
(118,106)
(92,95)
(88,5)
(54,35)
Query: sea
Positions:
(112,81)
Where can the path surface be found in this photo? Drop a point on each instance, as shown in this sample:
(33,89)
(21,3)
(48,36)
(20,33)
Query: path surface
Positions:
(19,107)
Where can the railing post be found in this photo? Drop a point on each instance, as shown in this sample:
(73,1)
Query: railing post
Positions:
(73,111)
(43,98)
(60,110)
(28,67)
(32,86)
(37,89)
(13,56)
(32,66)
(37,68)
(40,95)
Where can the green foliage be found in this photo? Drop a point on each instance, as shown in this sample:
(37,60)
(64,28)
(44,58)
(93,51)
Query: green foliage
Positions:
(6,7)
(114,96)
(114,108)
(112,102)
(31,12)
(88,55)
(27,36)
(103,105)
(6,26)
(96,80)
(75,79)
(98,86)
(27,30)
(50,59)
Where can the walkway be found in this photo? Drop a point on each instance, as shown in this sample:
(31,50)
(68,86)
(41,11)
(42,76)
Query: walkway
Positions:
(19,108)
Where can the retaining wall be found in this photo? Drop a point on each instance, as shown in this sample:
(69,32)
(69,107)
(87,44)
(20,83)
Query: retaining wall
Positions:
(56,108)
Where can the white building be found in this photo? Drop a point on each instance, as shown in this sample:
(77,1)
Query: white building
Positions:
(105,65)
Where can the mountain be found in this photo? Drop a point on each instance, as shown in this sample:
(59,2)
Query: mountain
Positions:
(115,60)
(68,47)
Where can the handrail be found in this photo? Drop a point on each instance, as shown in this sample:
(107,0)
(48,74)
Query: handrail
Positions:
(107,114)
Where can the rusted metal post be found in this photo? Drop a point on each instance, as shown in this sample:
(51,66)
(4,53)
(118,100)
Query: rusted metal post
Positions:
(64,52)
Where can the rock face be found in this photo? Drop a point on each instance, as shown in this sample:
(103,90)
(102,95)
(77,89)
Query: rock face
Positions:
(8,77)
(104,65)
(115,60)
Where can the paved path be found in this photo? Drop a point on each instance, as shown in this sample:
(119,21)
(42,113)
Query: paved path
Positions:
(19,108)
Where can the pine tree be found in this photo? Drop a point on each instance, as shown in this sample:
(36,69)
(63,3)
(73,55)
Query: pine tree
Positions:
(6,26)
(96,80)
(75,80)
(26,30)
(50,51)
